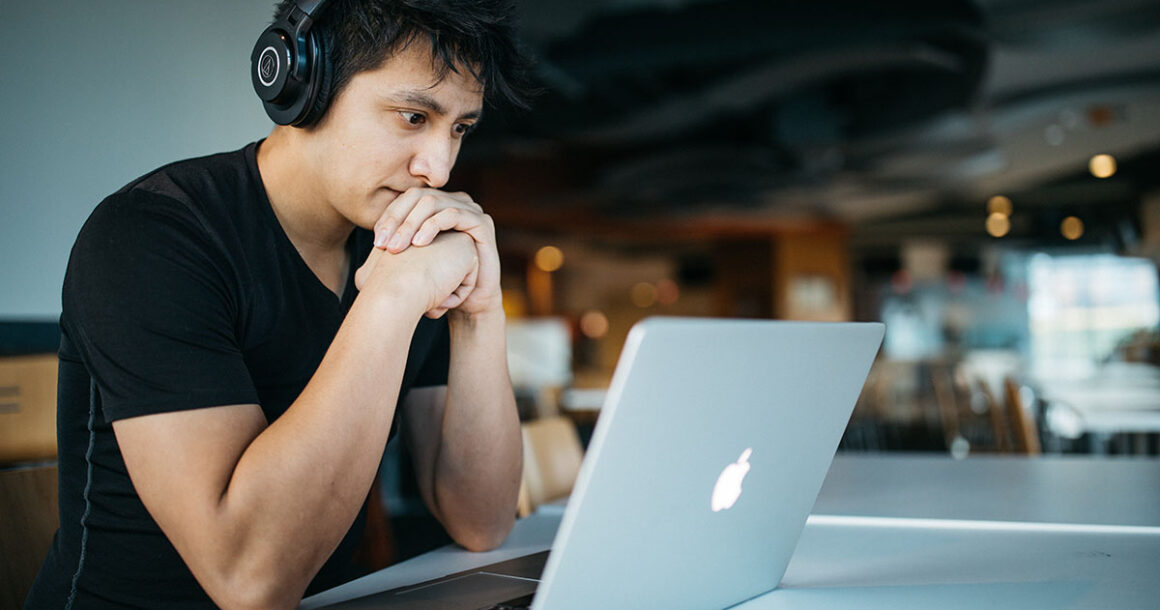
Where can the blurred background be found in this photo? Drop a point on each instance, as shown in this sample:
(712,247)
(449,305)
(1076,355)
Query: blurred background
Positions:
(981,175)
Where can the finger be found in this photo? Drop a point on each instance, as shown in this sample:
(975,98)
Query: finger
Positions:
(423,209)
(436,313)
(461,292)
(452,301)
(466,199)
(472,278)
(443,220)
(393,216)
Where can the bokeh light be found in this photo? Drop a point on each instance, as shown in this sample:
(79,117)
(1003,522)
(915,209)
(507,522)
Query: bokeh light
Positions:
(998,225)
(594,324)
(668,292)
(1071,227)
(643,295)
(1102,166)
(999,205)
(549,258)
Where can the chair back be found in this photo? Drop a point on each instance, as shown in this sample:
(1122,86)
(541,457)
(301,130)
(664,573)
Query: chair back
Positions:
(1024,432)
(28,520)
(27,408)
(552,456)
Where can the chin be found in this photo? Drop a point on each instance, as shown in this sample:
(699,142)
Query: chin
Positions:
(375,208)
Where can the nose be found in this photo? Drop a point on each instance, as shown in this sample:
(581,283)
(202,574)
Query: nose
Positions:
(433,160)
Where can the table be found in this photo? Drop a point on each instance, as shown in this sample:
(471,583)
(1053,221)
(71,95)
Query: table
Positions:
(1120,398)
(921,531)
(1049,489)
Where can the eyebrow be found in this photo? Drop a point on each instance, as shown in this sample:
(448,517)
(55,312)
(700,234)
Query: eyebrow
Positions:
(425,101)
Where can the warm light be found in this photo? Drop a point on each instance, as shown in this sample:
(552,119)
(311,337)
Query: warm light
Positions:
(643,295)
(1102,166)
(549,258)
(667,292)
(998,225)
(999,205)
(594,324)
(1071,227)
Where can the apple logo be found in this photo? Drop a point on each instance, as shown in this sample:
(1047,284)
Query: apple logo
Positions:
(728,487)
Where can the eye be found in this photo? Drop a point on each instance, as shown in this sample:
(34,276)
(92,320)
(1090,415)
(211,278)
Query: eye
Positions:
(462,129)
(412,118)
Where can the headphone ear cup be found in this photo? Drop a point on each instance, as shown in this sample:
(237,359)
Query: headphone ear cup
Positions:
(321,81)
(270,67)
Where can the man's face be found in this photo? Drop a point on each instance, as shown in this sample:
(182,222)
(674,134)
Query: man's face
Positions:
(391,129)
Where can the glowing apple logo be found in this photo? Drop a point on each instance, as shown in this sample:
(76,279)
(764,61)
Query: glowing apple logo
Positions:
(728,487)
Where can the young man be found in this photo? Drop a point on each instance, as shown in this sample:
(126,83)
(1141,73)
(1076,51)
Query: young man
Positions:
(238,330)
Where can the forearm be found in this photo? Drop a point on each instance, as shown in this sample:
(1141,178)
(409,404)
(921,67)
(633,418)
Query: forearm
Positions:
(300,484)
(477,473)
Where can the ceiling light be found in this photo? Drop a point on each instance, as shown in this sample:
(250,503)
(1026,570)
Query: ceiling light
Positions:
(998,225)
(1102,166)
(999,205)
(1071,227)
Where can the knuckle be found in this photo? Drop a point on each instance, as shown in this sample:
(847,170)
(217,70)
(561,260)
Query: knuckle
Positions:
(386,220)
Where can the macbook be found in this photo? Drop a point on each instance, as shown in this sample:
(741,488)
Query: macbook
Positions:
(710,449)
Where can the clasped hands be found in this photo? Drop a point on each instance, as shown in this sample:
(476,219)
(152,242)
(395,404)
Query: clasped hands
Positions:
(460,269)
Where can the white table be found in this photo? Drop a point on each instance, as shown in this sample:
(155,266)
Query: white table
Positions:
(1050,489)
(910,532)
(838,566)
(1120,398)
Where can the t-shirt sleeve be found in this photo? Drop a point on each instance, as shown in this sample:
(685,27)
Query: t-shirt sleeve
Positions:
(152,303)
(433,371)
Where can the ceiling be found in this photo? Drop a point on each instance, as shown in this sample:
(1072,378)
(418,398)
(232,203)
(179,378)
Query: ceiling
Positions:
(895,117)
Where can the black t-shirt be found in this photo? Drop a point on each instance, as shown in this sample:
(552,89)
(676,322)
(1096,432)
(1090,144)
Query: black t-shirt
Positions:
(182,292)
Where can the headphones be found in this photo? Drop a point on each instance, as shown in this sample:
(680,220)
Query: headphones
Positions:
(288,67)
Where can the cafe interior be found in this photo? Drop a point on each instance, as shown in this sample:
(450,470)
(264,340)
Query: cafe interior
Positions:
(981,176)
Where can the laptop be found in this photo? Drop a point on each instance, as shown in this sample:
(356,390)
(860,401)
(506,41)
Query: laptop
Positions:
(710,449)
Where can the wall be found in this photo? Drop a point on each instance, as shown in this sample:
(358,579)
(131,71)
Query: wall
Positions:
(96,93)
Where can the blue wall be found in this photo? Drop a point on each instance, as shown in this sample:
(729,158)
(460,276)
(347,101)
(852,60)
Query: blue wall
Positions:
(95,93)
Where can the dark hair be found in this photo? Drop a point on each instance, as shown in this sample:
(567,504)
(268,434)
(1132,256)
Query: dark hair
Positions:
(473,35)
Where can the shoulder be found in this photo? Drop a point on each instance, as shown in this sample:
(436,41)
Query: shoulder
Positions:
(210,189)
(195,199)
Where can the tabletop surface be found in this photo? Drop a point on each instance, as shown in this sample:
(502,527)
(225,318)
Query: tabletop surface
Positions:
(906,531)
(1086,490)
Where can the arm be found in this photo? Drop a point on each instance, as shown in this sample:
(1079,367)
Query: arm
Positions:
(256,509)
(465,438)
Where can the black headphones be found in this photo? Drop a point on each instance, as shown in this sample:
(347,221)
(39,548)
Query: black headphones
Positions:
(288,67)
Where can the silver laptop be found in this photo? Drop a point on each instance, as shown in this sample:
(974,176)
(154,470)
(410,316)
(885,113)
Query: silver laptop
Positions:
(708,454)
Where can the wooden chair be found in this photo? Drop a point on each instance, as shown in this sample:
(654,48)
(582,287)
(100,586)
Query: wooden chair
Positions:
(1024,433)
(552,456)
(376,549)
(28,520)
(27,408)
(1001,435)
(942,380)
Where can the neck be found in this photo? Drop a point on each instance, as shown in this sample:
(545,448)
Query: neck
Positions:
(293,186)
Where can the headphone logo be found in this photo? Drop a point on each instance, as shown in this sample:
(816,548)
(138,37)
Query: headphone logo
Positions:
(268,66)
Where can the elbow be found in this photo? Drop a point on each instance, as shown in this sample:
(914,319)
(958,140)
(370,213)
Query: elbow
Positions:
(480,539)
(249,589)
(253,596)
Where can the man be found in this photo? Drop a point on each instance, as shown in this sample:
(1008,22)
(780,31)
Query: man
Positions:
(237,331)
